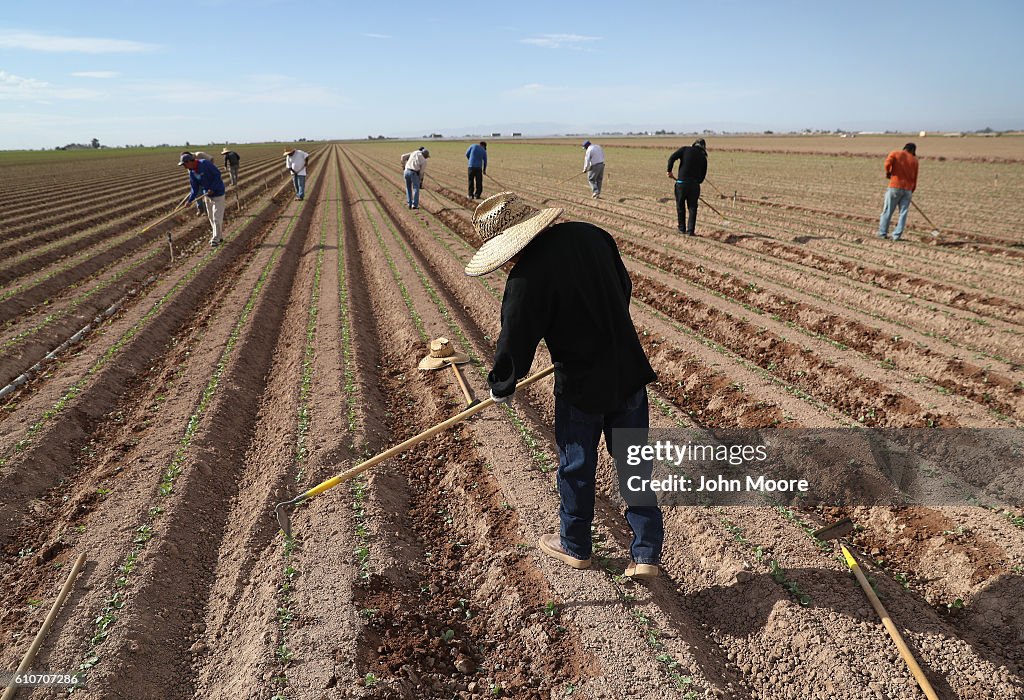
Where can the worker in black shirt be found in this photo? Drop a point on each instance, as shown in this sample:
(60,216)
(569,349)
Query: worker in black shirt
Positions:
(693,168)
(568,286)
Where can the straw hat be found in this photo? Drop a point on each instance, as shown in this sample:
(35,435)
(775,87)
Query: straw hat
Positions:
(505,224)
(224,152)
(288,151)
(441,354)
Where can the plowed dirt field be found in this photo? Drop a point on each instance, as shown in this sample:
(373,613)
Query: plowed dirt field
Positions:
(164,406)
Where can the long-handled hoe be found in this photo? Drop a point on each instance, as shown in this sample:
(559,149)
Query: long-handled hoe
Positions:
(281,509)
(935,229)
(839,530)
(720,193)
(725,221)
(503,187)
(180,206)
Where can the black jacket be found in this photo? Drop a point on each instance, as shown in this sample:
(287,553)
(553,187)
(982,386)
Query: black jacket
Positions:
(571,289)
(231,158)
(693,163)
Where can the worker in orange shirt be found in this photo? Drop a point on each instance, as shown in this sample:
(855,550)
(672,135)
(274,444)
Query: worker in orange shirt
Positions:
(901,169)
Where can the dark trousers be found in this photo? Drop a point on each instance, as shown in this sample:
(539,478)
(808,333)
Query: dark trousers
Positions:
(687,194)
(476,177)
(578,434)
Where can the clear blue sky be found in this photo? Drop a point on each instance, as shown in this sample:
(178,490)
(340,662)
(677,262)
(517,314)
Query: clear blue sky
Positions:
(233,71)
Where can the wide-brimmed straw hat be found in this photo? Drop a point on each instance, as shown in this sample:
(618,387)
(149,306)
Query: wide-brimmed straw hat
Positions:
(442,353)
(224,151)
(505,224)
(289,151)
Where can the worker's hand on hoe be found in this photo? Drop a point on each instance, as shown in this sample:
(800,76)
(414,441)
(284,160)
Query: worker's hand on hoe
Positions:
(669,173)
(499,399)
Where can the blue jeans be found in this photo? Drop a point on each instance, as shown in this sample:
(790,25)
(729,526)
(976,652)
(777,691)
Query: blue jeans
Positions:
(577,434)
(894,197)
(412,187)
(299,181)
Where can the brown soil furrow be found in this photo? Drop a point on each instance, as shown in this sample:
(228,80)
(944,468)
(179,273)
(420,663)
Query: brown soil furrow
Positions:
(324,587)
(95,194)
(922,258)
(865,400)
(157,193)
(79,239)
(505,468)
(69,316)
(991,304)
(239,628)
(127,451)
(978,329)
(977,673)
(166,620)
(828,351)
(405,507)
(715,418)
(673,635)
(989,388)
(129,270)
(984,304)
(22,485)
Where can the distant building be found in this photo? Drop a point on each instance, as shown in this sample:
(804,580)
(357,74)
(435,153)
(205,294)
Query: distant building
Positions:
(517,133)
(495,134)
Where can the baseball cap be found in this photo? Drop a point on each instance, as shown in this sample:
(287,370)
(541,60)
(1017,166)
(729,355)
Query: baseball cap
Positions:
(186,157)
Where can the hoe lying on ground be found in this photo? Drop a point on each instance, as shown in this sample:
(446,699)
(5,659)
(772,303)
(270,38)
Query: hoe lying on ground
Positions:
(281,509)
(839,530)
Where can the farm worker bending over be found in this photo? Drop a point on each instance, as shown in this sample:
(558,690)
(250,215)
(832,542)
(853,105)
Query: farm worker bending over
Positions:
(415,164)
(204,178)
(231,160)
(901,169)
(693,168)
(295,161)
(477,157)
(593,165)
(568,286)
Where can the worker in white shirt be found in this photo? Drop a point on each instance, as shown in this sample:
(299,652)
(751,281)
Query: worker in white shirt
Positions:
(593,166)
(415,168)
(295,161)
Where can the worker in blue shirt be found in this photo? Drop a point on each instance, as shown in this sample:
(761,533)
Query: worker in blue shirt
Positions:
(204,178)
(477,157)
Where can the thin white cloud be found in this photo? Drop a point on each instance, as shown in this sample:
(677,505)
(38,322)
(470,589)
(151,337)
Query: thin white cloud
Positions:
(377,36)
(32,41)
(16,88)
(578,42)
(96,74)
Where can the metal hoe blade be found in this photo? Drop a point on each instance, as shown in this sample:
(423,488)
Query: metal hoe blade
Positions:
(835,531)
(284,517)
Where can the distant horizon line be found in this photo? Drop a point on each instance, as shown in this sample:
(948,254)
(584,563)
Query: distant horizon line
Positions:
(984,133)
